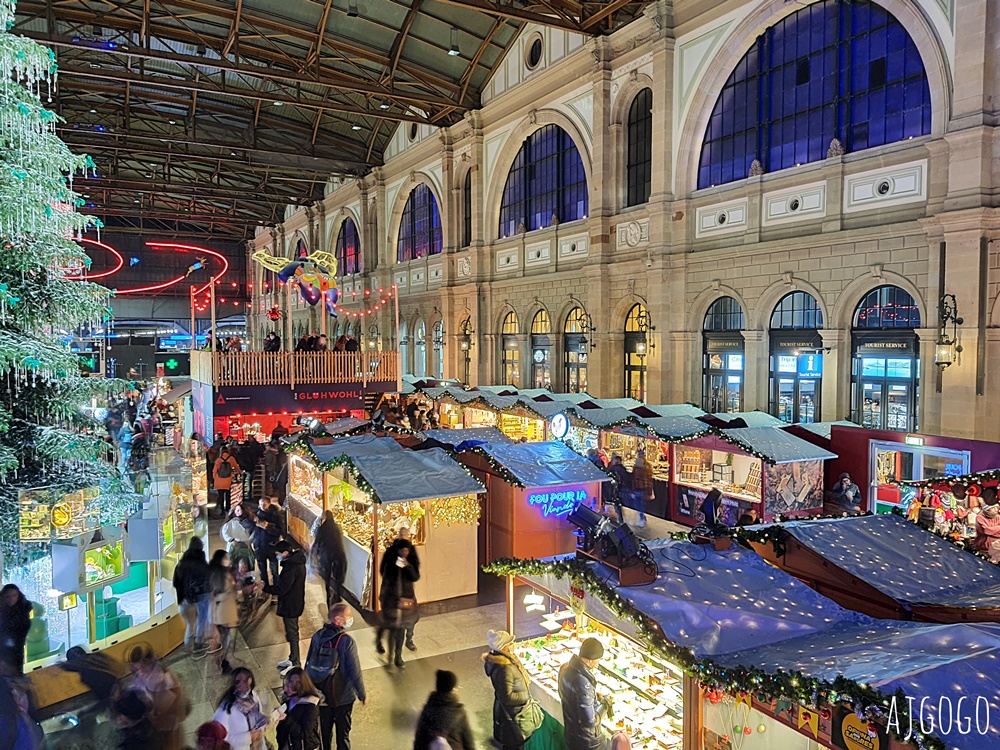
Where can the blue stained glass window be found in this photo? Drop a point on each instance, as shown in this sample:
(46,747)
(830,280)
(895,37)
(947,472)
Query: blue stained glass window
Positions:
(887,307)
(545,181)
(348,250)
(841,69)
(420,226)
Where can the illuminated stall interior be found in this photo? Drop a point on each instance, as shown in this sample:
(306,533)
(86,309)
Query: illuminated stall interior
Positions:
(376,489)
(761,468)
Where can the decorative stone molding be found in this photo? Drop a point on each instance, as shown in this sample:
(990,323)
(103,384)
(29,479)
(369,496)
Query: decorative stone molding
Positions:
(795,204)
(574,247)
(836,149)
(723,218)
(756,169)
(889,186)
(632,234)
(506,260)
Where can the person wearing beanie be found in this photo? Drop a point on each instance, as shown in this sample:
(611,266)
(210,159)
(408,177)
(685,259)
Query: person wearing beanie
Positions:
(290,590)
(516,716)
(191,585)
(130,713)
(582,708)
(443,716)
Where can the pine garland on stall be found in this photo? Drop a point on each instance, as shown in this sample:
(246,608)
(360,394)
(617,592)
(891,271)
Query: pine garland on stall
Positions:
(41,303)
(766,686)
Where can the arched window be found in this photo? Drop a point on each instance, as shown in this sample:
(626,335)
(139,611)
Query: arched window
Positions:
(348,249)
(467,210)
(842,69)
(723,368)
(636,349)
(404,349)
(886,364)
(541,350)
(510,346)
(545,182)
(638,164)
(420,226)
(576,348)
(301,249)
(796,358)
(420,350)
(887,307)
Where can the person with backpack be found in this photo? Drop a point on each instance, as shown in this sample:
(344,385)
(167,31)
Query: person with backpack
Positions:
(191,585)
(334,667)
(227,469)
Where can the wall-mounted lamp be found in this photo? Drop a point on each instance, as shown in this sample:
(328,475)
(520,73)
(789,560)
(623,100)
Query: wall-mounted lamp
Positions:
(373,336)
(645,324)
(465,344)
(587,326)
(947,347)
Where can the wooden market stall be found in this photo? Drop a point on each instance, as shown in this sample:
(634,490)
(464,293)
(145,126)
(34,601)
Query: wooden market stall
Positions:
(677,680)
(884,566)
(532,488)
(375,489)
(760,468)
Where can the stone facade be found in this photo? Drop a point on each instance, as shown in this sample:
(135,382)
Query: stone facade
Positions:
(932,233)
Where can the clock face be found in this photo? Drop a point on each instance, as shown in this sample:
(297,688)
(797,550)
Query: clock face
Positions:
(539,356)
(559,426)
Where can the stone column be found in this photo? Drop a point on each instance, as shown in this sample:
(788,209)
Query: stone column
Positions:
(836,394)
(756,370)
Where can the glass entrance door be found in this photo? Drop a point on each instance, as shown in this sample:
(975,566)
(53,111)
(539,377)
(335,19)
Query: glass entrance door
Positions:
(885,397)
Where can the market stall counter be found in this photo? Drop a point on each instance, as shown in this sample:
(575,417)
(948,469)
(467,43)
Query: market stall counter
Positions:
(375,489)
(532,488)
(756,468)
(724,651)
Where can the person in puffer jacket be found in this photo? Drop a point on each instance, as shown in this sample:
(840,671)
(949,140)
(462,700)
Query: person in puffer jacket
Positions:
(510,687)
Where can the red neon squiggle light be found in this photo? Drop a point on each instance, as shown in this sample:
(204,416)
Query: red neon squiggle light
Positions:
(197,249)
(153,288)
(118,259)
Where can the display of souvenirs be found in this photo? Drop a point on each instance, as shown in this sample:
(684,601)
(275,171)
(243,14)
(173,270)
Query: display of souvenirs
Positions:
(628,447)
(516,428)
(104,564)
(305,481)
(646,691)
(45,515)
(735,474)
(480,418)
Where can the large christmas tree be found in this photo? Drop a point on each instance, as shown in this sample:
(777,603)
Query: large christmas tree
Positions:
(42,299)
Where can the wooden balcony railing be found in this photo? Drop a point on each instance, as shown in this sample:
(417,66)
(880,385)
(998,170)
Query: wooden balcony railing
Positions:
(290,368)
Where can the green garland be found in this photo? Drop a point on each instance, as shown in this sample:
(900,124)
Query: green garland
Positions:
(793,686)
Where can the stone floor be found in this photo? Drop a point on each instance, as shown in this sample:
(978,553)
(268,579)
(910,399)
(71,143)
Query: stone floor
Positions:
(450,635)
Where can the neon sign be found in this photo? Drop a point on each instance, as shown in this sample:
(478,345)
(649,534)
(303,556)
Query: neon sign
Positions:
(558,503)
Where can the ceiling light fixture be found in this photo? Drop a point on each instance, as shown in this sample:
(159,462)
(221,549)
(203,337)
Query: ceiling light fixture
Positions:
(355,126)
(454,51)
(352,9)
(172,122)
(279,104)
(93,111)
(383,105)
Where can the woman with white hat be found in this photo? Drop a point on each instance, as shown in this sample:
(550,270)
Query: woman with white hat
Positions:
(516,715)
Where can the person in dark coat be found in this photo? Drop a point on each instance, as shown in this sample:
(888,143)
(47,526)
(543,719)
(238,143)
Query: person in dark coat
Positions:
(443,716)
(131,714)
(400,569)
(582,711)
(15,621)
(299,727)
(510,689)
(330,557)
(623,483)
(270,527)
(191,585)
(98,671)
(346,685)
(290,588)
(272,343)
(303,344)
(846,494)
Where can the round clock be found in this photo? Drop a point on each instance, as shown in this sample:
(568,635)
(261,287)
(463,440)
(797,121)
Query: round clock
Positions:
(539,356)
